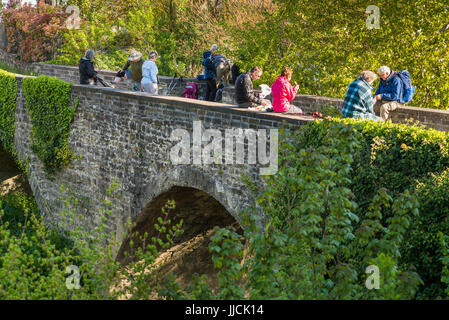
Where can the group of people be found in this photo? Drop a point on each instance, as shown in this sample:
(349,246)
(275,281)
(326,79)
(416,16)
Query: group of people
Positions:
(143,73)
(359,101)
(282,91)
(217,73)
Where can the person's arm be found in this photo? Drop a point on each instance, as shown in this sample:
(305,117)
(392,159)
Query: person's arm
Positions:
(153,73)
(395,92)
(367,100)
(90,71)
(290,91)
(126,66)
(249,92)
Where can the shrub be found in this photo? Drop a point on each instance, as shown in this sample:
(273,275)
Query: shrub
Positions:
(401,158)
(34,32)
(48,101)
(8,95)
(39,263)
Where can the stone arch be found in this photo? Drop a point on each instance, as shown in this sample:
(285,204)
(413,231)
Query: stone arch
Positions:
(232,198)
(200,213)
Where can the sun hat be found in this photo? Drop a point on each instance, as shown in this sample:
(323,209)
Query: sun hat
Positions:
(134,55)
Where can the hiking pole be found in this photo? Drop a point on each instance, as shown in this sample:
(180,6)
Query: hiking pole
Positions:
(174,86)
(171,82)
(97,78)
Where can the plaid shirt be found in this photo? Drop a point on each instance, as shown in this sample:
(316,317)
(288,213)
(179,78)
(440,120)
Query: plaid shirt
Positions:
(359,100)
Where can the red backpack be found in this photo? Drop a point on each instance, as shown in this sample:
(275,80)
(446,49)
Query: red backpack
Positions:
(190,91)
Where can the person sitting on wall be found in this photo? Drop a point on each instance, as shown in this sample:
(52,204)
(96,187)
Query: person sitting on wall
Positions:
(283,93)
(134,63)
(86,68)
(389,91)
(244,92)
(359,100)
(149,73)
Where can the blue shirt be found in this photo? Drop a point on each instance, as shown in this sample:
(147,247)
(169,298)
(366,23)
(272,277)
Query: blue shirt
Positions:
(391,88)
(149,72)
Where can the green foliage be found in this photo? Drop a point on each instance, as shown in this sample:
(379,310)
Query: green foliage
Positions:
(48,101)
(34,31)
(8,95)
(400,158)
(328,44)
(34,259)
(425,246)
(311,243)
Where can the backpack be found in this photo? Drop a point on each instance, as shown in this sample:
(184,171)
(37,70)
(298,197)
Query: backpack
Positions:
(190,91)
(407,88)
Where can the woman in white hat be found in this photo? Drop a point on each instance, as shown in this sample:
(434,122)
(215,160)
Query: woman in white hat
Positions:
(149,73)
(134,63)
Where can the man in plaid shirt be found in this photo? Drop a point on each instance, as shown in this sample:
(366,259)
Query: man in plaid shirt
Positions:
(359,101)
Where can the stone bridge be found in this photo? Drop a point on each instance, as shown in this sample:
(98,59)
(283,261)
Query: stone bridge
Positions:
(126,137)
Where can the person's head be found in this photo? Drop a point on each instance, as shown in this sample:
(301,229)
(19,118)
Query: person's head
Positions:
(384,72)
(134,56)
(153,55)
(369,76)
(90,54)
(213,48)
(255,73)
(287,72)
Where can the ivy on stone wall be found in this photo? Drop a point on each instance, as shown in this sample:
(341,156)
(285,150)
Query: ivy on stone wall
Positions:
(8,94)
(48,101)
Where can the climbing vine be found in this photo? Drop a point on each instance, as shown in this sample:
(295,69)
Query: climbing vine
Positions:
(48,101)
(8,94)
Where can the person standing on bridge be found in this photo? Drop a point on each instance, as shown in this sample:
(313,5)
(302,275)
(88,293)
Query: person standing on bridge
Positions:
(210,74)
(134,63)
(86,67)
(149,73)
(283,93)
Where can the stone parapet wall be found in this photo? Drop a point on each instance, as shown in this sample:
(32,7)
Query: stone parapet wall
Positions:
(432,118)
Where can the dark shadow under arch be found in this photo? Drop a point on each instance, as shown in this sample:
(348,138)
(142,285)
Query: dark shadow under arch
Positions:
(199,211)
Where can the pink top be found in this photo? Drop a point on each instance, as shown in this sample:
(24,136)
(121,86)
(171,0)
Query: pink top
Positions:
(283,93)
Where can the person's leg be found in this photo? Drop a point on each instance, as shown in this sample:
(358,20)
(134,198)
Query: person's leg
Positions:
(151,88)
(221,69)
(208,89)
(212,89)
(293,109)
(386,107)
(137,86)
(226,74)
(245,105)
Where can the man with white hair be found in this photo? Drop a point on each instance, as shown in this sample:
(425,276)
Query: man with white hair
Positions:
(358,101)
(389,92)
